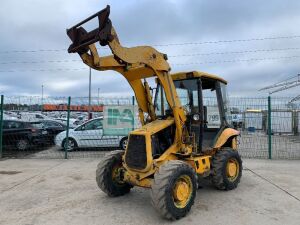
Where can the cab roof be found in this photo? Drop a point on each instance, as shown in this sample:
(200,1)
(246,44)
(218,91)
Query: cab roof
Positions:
(195,74)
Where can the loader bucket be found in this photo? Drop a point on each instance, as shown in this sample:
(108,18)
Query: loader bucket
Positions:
(81,39)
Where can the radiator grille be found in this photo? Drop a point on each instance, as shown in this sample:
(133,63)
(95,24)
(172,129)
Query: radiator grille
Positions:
(136,157)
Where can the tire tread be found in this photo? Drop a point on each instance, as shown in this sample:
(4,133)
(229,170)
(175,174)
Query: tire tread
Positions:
(218,165)
(160,185)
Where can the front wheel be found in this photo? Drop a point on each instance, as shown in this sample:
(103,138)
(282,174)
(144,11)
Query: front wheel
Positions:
(226,169)
(22,145)
(173,190)
(69,144)
(109,175)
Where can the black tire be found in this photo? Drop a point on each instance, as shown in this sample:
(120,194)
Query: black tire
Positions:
(162,190)
(220,178)
(124,143)
(104,175)
(72,145)
(22,144)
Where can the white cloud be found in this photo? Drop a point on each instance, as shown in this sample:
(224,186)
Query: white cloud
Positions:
(41,24)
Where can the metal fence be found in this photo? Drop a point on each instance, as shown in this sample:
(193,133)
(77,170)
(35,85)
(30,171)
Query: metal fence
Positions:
(269,126)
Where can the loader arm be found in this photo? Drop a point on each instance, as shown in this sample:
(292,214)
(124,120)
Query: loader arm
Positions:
(161,154)
(135,64)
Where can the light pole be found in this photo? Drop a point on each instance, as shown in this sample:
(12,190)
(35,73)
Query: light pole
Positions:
(30,107)
(42,97)
(98,96)
(90,93)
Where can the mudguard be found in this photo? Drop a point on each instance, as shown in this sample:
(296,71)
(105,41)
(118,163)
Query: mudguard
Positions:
(225,135)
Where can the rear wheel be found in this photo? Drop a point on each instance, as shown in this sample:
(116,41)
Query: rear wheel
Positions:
(109,175)
(22,144)
(123,143)
(174,189)
(226,169)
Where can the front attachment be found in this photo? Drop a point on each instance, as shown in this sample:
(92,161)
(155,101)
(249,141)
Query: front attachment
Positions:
(81,39)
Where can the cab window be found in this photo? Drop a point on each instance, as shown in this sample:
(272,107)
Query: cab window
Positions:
(187,91)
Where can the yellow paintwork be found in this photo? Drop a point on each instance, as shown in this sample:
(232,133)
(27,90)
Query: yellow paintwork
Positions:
(195,74)
(201,164)
(182,191)
(141,62)
(135,64)
(232,169)
(149,164)
(154,126)
(131,178)
(148,130)
(234,143)
(226,134)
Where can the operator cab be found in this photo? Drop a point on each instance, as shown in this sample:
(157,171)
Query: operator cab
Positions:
(205,101)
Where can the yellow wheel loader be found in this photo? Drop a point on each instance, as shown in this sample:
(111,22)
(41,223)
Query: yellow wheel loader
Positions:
(182,138)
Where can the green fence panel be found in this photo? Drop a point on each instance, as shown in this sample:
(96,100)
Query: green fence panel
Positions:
(269,128)
(66,145)
(1,124)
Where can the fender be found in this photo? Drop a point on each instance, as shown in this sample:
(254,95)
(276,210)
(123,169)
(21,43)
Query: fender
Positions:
(225,135)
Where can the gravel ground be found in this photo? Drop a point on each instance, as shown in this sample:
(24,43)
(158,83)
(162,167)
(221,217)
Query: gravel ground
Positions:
(43,191)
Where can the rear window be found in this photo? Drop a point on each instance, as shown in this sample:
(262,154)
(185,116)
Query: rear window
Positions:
(52,124)
(12,125)
(39,116)
(37,125)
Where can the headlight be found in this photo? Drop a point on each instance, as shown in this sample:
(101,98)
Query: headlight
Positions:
(196,117)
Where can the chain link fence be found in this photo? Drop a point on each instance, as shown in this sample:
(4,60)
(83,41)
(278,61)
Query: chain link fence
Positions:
(269,127)
(62,127)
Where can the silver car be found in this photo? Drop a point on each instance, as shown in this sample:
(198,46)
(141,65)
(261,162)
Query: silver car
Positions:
(90,135)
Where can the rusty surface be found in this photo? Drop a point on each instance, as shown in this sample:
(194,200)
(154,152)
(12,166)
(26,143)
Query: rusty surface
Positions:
(81,39)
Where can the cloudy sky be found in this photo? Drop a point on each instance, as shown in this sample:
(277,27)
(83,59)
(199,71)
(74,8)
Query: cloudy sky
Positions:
(250,43)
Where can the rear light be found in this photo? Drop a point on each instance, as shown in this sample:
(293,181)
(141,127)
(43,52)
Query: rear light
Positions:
(33,130)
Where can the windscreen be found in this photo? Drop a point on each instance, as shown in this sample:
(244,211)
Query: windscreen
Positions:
(187,91)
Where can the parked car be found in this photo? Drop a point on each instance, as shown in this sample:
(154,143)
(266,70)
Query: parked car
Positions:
(22,135)
(53,128)
(90,135)
(63,120)
(80,120)
(7,115)
(31,116)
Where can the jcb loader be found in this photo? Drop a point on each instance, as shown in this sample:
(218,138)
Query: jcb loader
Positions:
(182,139)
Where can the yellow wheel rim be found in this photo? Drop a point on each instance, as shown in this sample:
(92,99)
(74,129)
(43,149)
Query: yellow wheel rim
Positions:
(115,172)
(116,175)
(232,169)
(182,191)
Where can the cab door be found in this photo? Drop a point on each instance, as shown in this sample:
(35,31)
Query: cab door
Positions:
(190,93)
(214,112)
